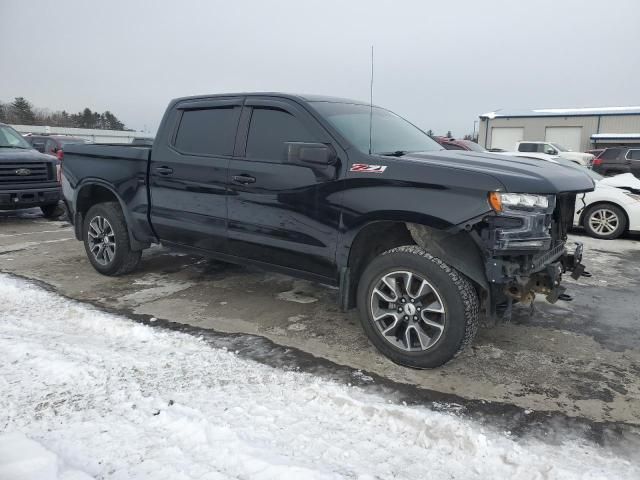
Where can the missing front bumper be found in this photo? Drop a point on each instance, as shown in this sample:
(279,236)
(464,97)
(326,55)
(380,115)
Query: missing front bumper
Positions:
(542,274)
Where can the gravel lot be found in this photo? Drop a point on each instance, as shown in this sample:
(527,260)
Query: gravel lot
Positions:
(574,361)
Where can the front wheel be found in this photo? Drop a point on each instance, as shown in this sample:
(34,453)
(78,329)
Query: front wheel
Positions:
(106,240)
(416,309)
(605,220)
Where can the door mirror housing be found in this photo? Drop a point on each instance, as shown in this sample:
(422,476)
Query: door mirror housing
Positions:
(305,153)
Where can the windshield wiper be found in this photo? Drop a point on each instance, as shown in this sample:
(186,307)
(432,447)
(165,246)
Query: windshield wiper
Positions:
(397,153)
(13,146)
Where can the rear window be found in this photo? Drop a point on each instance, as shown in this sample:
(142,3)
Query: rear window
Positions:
(634,154)
(610,154)
(210,131)
(451,146)
(527,147)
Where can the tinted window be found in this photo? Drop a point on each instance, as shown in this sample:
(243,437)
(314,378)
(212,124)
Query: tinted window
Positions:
(527,147)
(610,154)
(209,131)
(634,154)
(268,132)
(38,143)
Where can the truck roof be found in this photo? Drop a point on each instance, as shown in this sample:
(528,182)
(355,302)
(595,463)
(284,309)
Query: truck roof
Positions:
(291,96)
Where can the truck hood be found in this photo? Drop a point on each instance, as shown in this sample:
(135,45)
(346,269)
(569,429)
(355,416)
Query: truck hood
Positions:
(516,174)
(10,155)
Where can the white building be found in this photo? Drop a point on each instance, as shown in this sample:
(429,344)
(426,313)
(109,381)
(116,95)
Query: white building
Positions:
(578,129)
(94,135)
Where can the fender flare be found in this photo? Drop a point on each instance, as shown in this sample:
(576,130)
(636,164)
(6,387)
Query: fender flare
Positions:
(89,182)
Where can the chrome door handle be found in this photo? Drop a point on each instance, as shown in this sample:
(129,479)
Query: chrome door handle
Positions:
(243,179)
(164,170)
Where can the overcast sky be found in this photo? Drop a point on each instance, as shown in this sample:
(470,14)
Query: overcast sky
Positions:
(437,63)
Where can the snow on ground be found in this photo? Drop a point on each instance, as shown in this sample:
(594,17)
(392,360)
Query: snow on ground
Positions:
(115,399)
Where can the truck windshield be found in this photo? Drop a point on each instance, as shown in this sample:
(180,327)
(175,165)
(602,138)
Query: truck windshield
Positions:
(9,138)
(390,133)
(560,148)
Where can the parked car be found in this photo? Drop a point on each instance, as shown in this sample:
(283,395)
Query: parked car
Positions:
(27,178)
(612,209)
(53,144)
(616,160)
(420,239)
(554,149)
(453,144)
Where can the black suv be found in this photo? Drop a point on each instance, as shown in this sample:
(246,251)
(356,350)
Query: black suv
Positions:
(617,160)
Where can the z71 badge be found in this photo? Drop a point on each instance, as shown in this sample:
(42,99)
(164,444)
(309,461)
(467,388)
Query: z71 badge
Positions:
(366,168)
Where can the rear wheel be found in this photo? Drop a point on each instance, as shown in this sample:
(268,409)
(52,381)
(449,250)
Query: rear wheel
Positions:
(605,220)
(416,309)
(106,240)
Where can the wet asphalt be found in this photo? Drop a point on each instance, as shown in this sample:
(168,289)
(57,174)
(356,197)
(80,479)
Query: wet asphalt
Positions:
(570,369)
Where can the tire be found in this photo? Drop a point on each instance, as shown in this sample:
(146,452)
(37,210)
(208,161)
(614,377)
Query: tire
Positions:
(52,211)
(604,220)
(448,300)
(112,256)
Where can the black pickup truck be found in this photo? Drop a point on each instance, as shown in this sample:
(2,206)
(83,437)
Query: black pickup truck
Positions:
(425,242)
(27,178)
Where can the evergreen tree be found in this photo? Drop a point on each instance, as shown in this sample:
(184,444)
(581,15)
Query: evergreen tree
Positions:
(4,112)
(22,111)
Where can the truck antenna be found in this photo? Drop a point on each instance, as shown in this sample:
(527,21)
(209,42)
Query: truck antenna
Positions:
(371,103)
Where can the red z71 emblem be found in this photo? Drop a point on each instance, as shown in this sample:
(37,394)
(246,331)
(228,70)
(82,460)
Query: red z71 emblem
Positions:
(366,168)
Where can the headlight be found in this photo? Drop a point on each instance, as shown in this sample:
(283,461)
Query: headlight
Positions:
(502,202)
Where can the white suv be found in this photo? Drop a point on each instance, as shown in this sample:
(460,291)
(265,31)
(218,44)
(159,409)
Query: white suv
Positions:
(555,149)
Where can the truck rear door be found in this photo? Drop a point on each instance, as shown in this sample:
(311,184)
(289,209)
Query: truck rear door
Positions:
(281,213)
(188,173)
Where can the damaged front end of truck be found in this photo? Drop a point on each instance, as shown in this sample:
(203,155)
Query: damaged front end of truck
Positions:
(516,251)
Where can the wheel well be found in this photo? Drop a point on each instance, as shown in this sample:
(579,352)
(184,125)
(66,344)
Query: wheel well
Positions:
(88,197)
(604,202)
(370,242)
(456,249)
(92,195)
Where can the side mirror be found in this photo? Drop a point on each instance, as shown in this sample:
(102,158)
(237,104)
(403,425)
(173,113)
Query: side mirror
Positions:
(310,153)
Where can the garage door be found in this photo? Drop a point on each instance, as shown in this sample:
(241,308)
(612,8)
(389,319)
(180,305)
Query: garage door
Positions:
(568,137)
(506,137)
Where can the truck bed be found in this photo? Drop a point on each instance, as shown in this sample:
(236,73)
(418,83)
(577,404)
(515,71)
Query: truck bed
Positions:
(121,168)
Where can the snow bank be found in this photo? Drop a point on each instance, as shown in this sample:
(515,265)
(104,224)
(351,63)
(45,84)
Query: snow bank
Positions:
(117,399)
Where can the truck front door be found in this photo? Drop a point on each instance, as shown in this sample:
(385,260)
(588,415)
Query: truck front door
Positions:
(188,173)
(281,213)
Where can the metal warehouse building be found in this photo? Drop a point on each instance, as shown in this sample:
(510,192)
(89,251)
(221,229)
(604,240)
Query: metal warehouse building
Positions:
(577,129)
